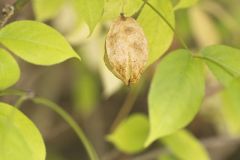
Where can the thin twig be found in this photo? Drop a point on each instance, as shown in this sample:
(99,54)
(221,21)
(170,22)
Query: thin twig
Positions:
(136,15)
(58,109)
(127,105)
(9,92)
(23,98)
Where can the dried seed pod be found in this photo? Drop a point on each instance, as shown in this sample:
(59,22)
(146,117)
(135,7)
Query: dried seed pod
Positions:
(126,50)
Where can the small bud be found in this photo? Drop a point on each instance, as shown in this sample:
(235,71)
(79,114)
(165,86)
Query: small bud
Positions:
(126,50)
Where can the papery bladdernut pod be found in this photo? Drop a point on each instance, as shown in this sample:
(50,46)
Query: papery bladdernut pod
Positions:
(126,50)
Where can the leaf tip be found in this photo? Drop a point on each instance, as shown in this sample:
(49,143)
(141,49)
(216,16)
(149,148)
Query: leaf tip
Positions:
(77,56)
(153,135)
(109,138)
(149,140)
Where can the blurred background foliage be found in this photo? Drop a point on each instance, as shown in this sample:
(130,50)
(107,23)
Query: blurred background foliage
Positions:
(94,97)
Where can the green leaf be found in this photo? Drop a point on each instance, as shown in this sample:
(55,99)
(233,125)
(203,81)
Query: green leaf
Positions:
(175,94)
(86,91)
(231,106)
(113,8)
(131,134)
(36,43)
(158,33)
(185,4)
(89,10)
(9,70)
(19,138)
(185,146)
(45,9)
(223,61)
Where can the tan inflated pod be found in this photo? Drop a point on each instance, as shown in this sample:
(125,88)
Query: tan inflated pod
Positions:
(126,50)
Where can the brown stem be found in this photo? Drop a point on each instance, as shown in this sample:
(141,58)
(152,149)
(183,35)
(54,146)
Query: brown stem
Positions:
(9,10)
(7,13)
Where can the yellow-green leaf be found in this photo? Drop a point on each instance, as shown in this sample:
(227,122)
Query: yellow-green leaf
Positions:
(158,33)
(19,138)
(185,146)
(223,61)
(90,11)
(36,43)
(175,94)
(9,70)
(131,134)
